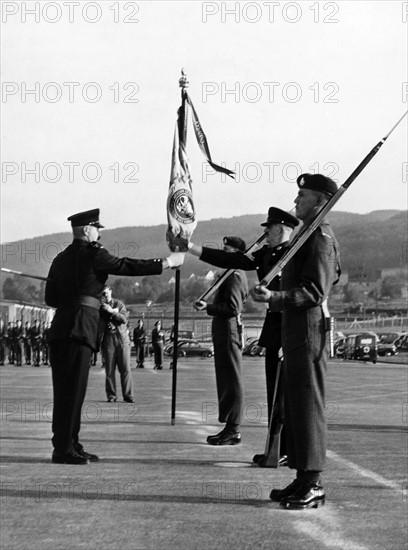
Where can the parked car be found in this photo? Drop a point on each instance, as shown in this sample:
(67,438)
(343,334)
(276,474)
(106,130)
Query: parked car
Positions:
(402,342)
(386,349)
(361,347)
(187,348)
(253,348)
(387,343)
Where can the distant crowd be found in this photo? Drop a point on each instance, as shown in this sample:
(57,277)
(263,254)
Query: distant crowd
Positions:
(24,343)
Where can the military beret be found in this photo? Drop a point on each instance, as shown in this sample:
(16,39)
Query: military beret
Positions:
(317,182)
(236,242)
(276,215)
(90,217)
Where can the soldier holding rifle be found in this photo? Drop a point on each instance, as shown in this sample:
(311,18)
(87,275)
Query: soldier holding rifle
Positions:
(278,228)
(306,282)
(227,337)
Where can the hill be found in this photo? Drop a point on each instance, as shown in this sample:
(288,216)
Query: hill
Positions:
(368,242)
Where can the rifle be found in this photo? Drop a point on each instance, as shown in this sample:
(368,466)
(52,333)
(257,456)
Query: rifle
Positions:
(305,232)
(224,276)
(13,272)
(272,446)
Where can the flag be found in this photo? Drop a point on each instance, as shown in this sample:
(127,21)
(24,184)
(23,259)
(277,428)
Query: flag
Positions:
(181,214)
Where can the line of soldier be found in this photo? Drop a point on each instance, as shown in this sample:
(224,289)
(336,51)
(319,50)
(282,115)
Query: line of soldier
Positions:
(28,341)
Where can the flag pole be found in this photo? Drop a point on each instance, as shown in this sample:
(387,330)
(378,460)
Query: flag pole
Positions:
(182,121)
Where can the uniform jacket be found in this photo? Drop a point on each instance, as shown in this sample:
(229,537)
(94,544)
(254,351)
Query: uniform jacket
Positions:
(139,335)
(231,296)
(309,275)
(158,336)
(82,270)
(35,335)
(263,261)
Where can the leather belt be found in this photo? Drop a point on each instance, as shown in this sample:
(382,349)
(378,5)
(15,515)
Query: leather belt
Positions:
(89,301)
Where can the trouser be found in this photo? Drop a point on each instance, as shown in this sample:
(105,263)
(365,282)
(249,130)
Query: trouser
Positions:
(27,353)
(304,390)
(158,354)
(10,352)
(140,353)
(45,354)
(36,354)
(117,355)
(17,353)
(70,369)
(227,361)
(2,351)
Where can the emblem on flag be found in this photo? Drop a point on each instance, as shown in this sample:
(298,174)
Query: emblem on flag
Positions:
(181,214)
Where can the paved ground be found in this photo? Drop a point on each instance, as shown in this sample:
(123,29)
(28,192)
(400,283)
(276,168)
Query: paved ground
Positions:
(161,487)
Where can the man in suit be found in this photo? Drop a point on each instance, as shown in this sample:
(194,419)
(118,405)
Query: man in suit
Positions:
(277,228)
(75,283)
(115,346)
(226,330)
(306,282)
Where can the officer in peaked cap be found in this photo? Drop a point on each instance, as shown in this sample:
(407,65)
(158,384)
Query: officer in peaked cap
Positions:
(90,217)
(306,282)
(278,216)
(278,228)
(74,287)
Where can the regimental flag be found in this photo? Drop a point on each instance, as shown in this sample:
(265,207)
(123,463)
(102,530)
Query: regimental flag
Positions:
(181,214)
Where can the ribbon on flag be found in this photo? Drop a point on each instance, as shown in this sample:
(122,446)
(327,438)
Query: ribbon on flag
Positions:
(203,143)
(181,215)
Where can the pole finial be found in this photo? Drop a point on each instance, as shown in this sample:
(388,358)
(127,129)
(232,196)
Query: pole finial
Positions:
(183,82)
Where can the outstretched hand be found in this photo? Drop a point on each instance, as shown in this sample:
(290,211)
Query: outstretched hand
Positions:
(175,259)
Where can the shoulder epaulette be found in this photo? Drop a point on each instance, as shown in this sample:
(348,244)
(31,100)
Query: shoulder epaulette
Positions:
(321,229)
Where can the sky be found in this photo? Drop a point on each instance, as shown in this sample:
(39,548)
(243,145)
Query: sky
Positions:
(90,95)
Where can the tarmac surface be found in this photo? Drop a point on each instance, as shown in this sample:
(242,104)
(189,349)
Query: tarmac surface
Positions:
(160,486)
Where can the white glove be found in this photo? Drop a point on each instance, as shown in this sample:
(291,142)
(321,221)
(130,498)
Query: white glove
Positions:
(200,305)
(176,259)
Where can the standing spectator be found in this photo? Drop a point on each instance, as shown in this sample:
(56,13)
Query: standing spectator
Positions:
(18,343)
(139,340)
(35,339)
(27,343)
(306,282)
(76,280)
(116,346)
(3,340)
(158,341)
(44,342)
(226,329)
(10,346)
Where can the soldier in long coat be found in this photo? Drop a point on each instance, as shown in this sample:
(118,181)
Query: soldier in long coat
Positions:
(75,282)
(278,228)
(305,286)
